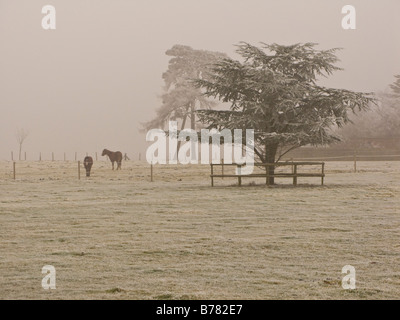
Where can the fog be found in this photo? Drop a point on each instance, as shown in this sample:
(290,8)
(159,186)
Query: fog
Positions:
(89,84)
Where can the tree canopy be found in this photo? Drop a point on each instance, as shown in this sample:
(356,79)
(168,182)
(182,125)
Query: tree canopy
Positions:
(381,122)
(274,91)
(181,99)
(396,86)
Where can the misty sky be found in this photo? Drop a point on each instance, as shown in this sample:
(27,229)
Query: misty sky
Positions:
(90,83)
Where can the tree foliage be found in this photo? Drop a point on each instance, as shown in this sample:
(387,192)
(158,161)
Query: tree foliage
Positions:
(396,87)
(181,99)
(274,91)
(381,122)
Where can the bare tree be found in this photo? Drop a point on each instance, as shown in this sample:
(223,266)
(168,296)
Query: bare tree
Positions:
(21,136)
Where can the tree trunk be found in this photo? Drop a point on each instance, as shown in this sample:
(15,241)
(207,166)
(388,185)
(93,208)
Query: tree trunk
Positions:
(182,127)
(270,154)
(192,116)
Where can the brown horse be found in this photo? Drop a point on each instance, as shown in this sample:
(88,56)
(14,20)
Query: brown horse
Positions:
(114,156)
(88,162)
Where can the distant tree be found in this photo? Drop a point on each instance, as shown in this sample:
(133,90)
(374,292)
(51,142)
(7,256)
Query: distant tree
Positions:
(389,110)
(181,99)
(396,87)
(21,136)
(381,121)
(274,91)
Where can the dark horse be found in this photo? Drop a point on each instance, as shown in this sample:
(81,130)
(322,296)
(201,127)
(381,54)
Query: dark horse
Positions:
(88,162)
(114,156)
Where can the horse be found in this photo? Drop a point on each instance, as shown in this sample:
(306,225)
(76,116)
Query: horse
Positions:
(88,162)
(114,156)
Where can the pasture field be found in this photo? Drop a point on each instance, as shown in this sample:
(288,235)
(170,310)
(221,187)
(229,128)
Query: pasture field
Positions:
(116,235)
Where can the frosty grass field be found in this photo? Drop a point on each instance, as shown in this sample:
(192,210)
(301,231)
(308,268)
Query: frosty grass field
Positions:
(116,235)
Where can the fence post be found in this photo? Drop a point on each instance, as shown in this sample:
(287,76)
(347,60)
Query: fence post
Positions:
(323,173)
(79,170)
(222,168)
(239,172)
(25,155)
(14,170)
(52,156)
(75,156)
(295,175)
(96,156)
(151,171)
(40,156)
(212,175)
(12,156)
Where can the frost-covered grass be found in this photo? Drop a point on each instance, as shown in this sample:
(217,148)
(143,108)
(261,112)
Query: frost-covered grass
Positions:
(118,236)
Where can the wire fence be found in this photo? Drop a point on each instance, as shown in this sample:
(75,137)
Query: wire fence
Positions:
(358,157)
(70,170)
(61,166)
(344,154)
(65,156)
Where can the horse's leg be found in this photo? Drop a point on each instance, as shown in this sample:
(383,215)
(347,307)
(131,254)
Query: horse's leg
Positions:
(112,164)
(88,170)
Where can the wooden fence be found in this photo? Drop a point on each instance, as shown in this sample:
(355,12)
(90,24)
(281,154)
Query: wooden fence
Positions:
(294,174)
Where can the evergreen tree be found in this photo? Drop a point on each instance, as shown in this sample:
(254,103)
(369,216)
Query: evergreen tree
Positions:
(181,99)
(274,91)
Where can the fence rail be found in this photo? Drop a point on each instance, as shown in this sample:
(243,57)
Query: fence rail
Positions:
(269,175)
(350,157)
